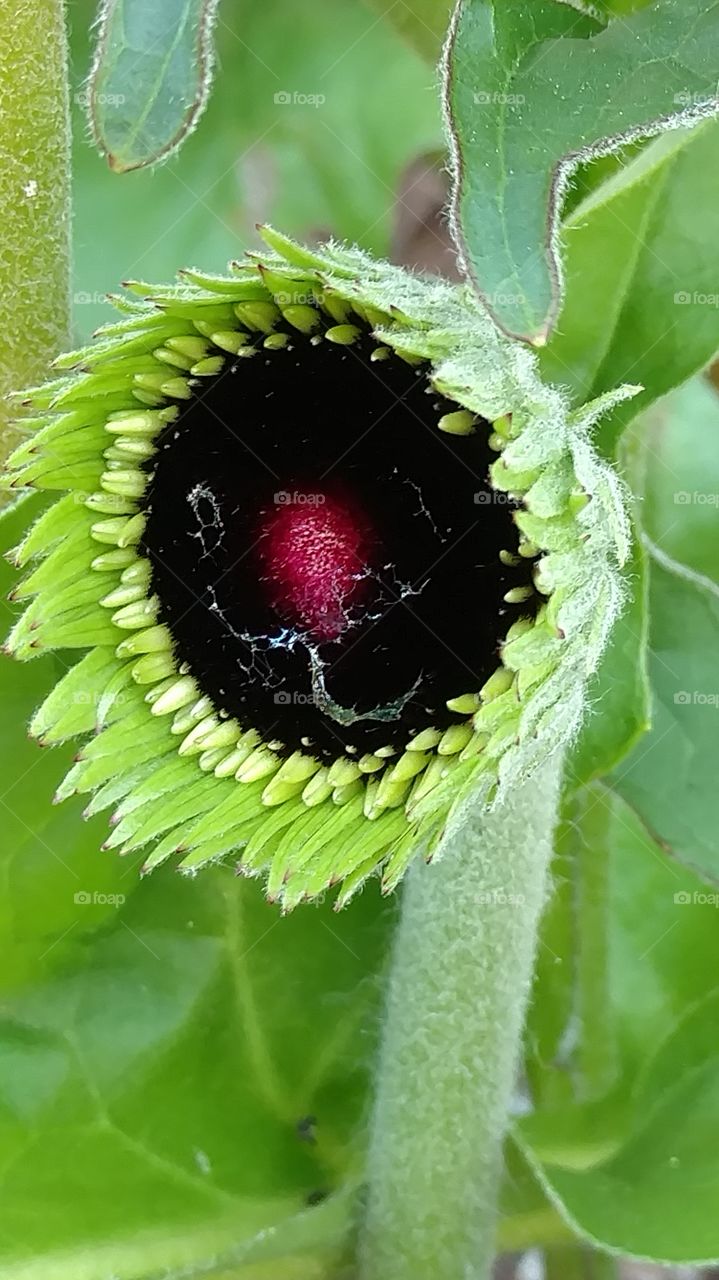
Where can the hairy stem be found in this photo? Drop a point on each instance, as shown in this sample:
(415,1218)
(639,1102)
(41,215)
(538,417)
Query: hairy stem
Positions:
(458,990)
(34,195)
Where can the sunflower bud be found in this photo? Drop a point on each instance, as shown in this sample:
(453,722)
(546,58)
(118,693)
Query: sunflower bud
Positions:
(336,554)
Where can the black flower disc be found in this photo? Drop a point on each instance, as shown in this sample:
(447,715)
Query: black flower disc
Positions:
(327,559)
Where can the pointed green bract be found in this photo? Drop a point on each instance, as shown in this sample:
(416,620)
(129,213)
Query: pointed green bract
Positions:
(182,778)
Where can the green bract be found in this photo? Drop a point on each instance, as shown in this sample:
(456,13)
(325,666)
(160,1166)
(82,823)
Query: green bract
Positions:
(183,777)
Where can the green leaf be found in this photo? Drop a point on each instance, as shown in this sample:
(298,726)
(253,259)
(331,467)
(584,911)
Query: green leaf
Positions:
(670,777)
(657,1197)
(183,1071)
(641,296)
(575,1136)
(193,1075)
(423,25)
(691,1046)
(663,939)
(662,948)
(679,465)
(151,77)
(634,1171)
(546,82)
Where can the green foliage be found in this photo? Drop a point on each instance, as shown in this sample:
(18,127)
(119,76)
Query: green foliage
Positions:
(549,77)
(655,1131)
(310,166)
(641,293)
(163,1045)
(670,776)
(156,1055)
(629,245)
(675,468)
(634,1170)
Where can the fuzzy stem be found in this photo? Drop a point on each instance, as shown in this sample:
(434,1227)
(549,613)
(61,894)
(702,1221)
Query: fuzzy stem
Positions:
(34,196)
(458,990)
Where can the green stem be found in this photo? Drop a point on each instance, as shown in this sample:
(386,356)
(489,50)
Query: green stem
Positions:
(34,196)
(457,996)
(596,1062)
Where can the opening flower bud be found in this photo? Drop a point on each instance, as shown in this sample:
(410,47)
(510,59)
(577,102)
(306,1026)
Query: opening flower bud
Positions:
(321,610)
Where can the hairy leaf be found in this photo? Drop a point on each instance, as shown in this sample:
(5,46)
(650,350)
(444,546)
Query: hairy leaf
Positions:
(151,77)
(532,91)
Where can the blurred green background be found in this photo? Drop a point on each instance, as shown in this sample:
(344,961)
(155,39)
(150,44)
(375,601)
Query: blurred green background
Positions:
(313,169)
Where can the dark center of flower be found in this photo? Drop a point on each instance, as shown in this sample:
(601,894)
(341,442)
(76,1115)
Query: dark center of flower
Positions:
(326,558)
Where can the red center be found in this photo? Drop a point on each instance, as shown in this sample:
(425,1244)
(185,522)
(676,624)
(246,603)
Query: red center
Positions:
(314,550)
